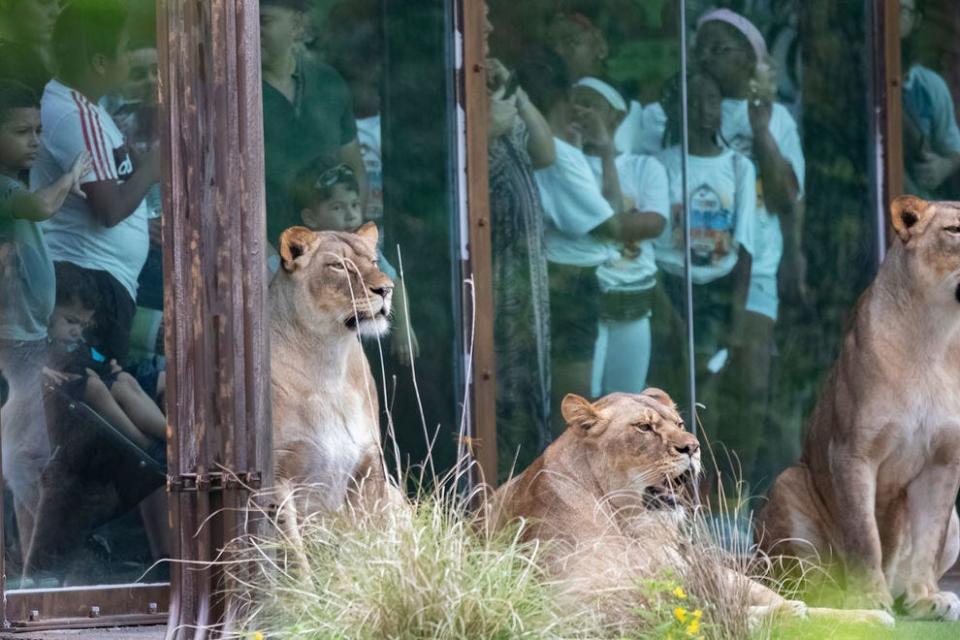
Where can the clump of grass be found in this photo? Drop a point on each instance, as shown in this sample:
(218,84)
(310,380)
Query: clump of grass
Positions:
(426,572)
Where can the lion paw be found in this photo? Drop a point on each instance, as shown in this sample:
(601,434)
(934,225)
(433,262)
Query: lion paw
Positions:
(793,609)
(943,605)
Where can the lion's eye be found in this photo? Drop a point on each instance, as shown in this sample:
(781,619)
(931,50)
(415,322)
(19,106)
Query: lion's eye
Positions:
(643,426)
(952,229)
(336,266)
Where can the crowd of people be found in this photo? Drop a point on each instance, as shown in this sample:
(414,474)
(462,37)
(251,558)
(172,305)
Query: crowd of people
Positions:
(615,210)
(79,171)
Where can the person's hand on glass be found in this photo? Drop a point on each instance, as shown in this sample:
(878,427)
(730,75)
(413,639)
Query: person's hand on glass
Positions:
(82,165)
(931,169)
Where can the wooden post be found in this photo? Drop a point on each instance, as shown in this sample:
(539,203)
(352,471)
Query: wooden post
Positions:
(484,388)
(888,85)
(215,288)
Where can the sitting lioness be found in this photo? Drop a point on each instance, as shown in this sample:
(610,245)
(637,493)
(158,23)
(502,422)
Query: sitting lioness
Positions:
(875,487)
(605,496)
(326,433)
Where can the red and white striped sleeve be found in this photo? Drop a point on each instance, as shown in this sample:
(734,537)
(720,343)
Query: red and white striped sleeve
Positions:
(84,131)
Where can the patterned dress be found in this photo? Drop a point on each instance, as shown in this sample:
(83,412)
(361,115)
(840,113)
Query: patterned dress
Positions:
(521,304)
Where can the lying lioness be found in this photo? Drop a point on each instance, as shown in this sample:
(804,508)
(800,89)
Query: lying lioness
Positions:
(605,495)
(876,484)
(326,432)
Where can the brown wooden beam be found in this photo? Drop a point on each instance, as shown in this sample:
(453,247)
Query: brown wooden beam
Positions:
(484,387)
(215,284)
(888,79)
(63,608)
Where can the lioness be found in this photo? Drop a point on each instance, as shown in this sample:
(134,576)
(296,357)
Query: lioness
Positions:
(604,494)
(876,483)
(326,434)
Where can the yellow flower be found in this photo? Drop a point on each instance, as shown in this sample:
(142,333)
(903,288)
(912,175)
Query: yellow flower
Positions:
(693,628)
(680,614)
(680,593)
(257,635)
(698,614)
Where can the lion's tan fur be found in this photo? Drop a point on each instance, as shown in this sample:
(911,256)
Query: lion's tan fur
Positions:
(874,489)
(584,497)
(326,434)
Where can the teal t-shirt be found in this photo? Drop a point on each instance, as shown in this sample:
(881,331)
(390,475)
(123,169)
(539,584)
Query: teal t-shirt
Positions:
(27,280)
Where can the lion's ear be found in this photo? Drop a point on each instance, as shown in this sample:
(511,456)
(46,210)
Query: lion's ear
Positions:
(370,233)
(906,212)
(294,248)
(581,415)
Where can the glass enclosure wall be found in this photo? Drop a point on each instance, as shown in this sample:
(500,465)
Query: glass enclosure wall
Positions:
(359,127)
(578,202)
(602,219)
(930,64)
(792,83)
(81,295)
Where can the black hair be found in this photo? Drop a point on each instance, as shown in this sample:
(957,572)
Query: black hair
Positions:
(543,74)
(670,102)
(16,95)
(75,285)
(85,28)
(306,193)
(295,5)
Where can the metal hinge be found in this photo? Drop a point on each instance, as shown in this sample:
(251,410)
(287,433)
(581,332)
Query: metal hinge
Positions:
(213,481)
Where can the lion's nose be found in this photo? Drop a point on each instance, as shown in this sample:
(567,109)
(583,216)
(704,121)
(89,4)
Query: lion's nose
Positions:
(382,290)
(687,449)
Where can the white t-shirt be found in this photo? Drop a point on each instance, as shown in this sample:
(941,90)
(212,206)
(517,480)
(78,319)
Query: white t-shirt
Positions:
(927,99)
(763,297)
(72,124)
(574,206)
(722,205)
(641,131)
(644,180)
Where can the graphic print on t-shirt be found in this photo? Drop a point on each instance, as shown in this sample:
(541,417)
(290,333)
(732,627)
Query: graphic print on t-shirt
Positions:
(124,163)
(712,225)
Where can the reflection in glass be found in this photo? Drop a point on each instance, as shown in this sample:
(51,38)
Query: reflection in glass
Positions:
(83,429)
(604,199)
(354,134)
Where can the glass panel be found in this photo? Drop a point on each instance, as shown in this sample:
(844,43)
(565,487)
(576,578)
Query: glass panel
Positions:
(577,200)
(354,135)
(930,61)
(778,172)
(81,349)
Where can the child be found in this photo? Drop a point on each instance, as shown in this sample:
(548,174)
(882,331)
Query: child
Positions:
(721,207)
(84,374)
(104,229)
(26,291)
(621,356)
(327,195)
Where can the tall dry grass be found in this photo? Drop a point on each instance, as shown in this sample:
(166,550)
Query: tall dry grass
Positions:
(433,572)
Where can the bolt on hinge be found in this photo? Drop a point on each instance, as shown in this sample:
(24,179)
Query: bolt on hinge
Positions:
(213,481)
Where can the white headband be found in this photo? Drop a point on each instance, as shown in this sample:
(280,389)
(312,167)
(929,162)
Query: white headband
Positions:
(609,93)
